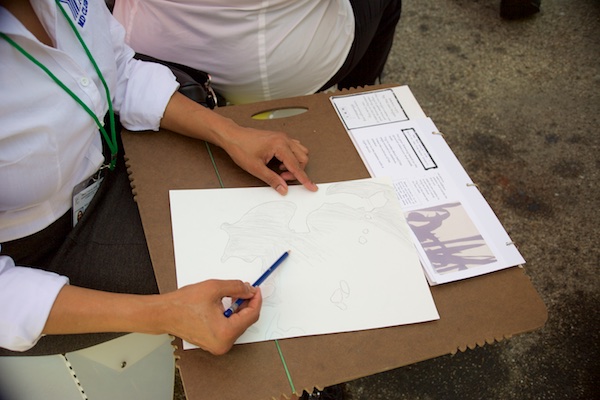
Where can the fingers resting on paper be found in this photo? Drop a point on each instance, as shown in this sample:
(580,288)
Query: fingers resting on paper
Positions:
(254,149)
(251,149)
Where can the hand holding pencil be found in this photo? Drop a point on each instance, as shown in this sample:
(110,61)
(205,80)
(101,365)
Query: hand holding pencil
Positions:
(234,305)
(195,313)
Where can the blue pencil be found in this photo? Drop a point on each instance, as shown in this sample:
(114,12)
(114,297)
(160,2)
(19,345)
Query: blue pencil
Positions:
(234,306)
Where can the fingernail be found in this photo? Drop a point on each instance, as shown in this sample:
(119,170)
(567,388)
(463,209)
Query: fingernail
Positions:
(281,190)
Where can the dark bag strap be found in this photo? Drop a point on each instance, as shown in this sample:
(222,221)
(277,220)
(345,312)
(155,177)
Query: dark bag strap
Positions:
(193,83)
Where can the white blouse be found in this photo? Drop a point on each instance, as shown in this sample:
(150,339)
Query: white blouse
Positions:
(49,144)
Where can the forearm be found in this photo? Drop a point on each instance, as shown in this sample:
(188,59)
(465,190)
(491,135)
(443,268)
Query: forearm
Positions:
(80,310)
(186,117)
(193,313)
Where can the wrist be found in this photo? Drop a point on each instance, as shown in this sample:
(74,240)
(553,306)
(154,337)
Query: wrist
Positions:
(222,132)
(150,314)
(188,118)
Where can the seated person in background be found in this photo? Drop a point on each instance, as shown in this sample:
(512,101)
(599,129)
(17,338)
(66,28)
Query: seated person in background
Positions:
(257,52)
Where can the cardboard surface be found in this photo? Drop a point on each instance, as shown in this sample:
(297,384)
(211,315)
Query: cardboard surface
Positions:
(473,312)
(163,164)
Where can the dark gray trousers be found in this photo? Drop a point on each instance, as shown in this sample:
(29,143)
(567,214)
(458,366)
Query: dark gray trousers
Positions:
(375,24)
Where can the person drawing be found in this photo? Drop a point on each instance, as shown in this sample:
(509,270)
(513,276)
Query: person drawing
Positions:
(63,287)
(258,51)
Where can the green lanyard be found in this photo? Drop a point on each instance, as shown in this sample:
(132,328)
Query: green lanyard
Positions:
(111,140)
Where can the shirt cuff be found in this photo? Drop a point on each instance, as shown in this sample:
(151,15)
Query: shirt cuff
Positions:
(26,298)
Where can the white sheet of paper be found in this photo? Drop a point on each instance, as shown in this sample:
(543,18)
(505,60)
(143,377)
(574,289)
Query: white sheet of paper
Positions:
(456,232)
(352,264)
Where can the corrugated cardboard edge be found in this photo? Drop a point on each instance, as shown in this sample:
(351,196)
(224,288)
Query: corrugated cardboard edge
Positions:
(158,162)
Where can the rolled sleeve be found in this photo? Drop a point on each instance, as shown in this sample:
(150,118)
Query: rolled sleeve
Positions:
(149,89)
(26,298)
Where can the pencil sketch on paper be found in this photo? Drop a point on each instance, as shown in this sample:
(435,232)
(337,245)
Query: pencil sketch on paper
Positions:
(275,329)
(350,212)
(350,250)
(449,238)
(340,295)
(264,231)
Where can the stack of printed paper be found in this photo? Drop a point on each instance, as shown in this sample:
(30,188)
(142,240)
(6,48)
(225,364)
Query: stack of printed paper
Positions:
(454,229)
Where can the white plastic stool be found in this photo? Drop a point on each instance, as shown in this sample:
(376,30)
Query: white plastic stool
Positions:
(134,366)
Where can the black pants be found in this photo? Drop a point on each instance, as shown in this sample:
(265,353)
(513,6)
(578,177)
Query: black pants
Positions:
(106,251)
(375,25)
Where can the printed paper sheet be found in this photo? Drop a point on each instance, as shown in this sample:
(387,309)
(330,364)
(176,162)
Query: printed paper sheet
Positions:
(455,231)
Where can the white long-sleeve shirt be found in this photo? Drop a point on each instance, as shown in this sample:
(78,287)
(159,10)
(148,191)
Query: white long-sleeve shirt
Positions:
(49,144)
(254,50)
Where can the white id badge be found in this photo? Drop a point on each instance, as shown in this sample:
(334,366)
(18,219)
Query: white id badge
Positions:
(83,194)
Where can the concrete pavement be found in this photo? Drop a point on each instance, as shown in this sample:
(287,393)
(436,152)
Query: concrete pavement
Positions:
(519,104)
